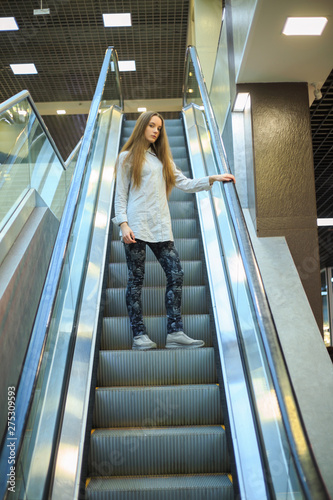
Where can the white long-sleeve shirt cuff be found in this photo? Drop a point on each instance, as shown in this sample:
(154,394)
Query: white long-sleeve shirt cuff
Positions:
(119,219)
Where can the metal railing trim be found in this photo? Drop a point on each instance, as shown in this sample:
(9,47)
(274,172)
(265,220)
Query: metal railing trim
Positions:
(39,334)
(270,340)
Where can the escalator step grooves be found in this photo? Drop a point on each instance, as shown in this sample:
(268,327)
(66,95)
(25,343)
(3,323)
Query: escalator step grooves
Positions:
(194,301)
(156,367)
(161,450)
(186,228)
(117,333)
(157,406)
(188,249)
(215,486)
(182,209)
(154,274)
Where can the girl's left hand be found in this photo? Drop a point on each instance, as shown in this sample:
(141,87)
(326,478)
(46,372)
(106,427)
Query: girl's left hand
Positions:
(222,178)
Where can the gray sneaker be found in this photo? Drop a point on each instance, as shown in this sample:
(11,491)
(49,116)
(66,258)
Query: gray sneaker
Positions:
(179,340)
(143,343)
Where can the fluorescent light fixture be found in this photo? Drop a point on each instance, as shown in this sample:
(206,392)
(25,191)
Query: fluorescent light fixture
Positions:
(116,20)
(61,111)
(126,65)
(41,12)
(324,222)
(296,26)
(8,24)
(142,110)
(24,69)
(240,101)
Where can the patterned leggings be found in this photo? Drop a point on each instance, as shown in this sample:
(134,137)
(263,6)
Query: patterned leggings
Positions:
(168,257)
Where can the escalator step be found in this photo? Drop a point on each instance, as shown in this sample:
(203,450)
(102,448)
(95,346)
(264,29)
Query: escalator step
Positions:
(173,122)
(176,141)
(157,406)
(117,333)
(182,209)
(156,367)
(188,249)
(192,487)
(154,275)
(161,450)
(172,129)
(180,228)
(179,152)
(194,301)
(183,165)
(175,130)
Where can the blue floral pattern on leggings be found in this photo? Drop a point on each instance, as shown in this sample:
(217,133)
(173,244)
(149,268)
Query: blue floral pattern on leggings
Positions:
(167,255)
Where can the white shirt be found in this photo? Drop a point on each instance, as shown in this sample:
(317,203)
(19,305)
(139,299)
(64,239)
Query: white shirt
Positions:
(146,208)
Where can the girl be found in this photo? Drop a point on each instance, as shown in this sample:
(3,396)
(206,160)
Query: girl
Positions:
(145,176)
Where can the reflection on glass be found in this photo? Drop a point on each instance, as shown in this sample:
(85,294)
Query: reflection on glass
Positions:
(326,305)
(28,160)
(191,90)
(14,158)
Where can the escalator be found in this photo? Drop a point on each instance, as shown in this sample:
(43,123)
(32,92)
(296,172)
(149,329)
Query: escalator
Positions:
(158,413)
(97,420)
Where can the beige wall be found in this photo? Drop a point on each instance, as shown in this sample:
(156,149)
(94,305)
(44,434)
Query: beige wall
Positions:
(284,202)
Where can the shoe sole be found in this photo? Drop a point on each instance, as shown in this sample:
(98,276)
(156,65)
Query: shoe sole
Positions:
(178,346)
(144,348)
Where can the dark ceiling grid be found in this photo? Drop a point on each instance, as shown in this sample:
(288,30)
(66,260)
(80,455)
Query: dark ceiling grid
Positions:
(321,113)
(322,140)
(68,48)
(67,130)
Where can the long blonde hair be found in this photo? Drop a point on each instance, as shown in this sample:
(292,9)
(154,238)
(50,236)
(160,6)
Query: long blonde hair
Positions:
(137,147)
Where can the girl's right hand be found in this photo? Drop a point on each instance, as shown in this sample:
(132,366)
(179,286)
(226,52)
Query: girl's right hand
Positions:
(127,233)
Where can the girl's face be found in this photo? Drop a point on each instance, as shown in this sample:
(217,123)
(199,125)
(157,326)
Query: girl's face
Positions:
(153,129)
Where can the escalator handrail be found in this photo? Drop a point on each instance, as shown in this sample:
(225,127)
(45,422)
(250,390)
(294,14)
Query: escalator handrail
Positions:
(21,96)
(35,350)
(73,153)
(305,465)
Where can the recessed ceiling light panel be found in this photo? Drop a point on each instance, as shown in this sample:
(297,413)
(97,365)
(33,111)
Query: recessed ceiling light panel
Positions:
(126,65)
(308,26)
(325,222)
(117,20)
(8,24)
(24,69)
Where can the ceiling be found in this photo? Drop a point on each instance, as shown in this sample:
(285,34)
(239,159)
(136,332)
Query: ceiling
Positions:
(68,48)
(270,56)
